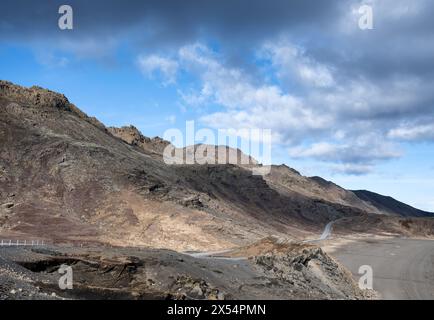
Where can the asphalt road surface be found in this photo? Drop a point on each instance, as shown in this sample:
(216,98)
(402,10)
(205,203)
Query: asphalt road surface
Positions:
(403,269)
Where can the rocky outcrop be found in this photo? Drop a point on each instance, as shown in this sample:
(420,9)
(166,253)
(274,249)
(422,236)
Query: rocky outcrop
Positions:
(311,272)
(133,136)
(37,97)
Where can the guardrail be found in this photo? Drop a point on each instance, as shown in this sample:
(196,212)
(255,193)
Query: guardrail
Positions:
(7,243)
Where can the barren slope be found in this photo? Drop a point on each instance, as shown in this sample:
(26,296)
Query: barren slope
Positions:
(65,177)
(390,205)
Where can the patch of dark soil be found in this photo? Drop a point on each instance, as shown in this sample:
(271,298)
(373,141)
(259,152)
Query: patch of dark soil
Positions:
(49,265)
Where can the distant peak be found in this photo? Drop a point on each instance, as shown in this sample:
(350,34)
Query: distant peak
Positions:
(131,135)
(226,154)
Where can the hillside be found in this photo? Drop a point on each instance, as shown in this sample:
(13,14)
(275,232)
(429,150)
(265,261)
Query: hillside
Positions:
(390,205)
(67,178)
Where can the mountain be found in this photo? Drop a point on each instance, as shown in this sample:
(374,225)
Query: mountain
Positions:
(390,205)
(67,178)
(290,181)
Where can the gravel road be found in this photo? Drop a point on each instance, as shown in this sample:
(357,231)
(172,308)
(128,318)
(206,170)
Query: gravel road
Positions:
(402,268)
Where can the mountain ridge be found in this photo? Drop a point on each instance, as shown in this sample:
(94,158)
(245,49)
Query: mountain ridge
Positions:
(388,203)
(68,178)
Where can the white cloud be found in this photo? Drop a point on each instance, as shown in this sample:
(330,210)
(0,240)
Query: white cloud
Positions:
(196,99)
(292,119)
(416,132)
(247,105)
(364,150)
(346,121)
(168,68)
(321,149)
(352,169)
(51,60)
(291,62)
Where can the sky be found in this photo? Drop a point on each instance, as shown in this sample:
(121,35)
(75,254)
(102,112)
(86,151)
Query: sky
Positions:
(354,106)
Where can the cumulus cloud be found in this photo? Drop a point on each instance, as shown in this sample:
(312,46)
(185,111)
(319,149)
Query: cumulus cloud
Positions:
(247,105)
(347,122)
(154,63)
(291,62)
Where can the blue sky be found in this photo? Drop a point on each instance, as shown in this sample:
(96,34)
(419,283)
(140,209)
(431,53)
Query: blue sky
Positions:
(353,106)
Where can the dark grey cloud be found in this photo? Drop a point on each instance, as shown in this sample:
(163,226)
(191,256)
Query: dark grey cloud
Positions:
(382,78)
(402,43)
(164,22)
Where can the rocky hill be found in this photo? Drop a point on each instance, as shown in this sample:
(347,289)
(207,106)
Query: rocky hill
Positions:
(65,177)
